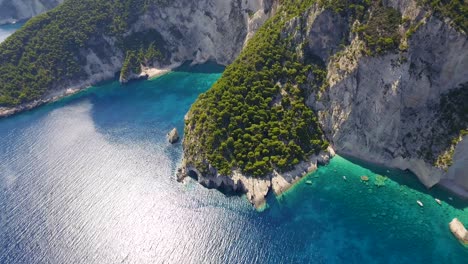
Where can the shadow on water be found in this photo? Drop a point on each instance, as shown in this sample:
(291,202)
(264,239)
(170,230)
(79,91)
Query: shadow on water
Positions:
(409,179)
(208,67)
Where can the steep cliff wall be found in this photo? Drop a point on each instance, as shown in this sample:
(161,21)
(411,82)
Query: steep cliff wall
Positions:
(386,109)
(14,10)
(395,91)
(183,30)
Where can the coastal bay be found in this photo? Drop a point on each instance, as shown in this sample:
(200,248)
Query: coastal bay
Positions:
(91,179)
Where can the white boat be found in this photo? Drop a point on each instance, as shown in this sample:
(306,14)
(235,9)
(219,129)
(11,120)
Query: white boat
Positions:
(308,182)
(344,178)
(438,201)
(420,203)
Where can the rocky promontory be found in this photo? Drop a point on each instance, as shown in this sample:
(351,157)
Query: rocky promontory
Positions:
(256,189)
(397,98)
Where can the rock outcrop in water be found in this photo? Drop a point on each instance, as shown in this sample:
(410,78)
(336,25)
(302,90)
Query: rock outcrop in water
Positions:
(15,10)
(459,231)
(256,189)
(173,136)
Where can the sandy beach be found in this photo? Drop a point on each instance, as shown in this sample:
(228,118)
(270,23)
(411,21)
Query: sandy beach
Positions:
(154,72)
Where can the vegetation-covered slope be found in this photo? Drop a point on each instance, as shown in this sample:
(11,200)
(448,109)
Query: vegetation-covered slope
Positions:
(255,118)
(47,50)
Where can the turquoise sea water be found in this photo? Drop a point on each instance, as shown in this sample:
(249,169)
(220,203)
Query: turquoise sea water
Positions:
(7,30)
(91,179)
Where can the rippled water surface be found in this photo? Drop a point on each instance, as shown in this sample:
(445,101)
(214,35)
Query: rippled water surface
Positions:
(90,179)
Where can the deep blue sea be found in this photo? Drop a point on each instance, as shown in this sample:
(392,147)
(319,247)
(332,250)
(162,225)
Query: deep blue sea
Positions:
(91,179)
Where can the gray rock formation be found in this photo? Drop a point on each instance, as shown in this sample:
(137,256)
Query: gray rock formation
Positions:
(195,31)
(173,136)
(256,189)
(459,231)
(456,177)
(205,30)
(15,10)
(384,109)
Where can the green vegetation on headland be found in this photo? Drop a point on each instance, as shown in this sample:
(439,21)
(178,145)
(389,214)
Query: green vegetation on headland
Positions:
(376,24)
(255,118)
(141,50)
(454,120)
(50,49)
(456,10)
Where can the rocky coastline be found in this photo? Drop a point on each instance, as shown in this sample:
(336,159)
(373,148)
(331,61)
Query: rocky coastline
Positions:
(256,189)
(147,73)
(9,111)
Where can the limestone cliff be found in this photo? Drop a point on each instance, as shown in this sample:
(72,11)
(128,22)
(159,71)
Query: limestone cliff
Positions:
(387,109)
(195,31)
(15,10)
(394,105)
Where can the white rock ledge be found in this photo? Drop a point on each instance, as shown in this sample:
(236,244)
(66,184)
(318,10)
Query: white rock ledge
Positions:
(255,189)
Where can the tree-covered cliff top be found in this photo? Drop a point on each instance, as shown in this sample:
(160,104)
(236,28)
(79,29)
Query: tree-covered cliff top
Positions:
(48,49)
(255,118)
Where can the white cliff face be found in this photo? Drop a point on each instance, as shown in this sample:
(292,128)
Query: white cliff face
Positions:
(14,10)
(384,108)
(205,30)
(256,189)
(456,177)
(196,31)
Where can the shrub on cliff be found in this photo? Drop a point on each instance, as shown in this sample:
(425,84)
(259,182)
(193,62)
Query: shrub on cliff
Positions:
(255,118)
(50,48)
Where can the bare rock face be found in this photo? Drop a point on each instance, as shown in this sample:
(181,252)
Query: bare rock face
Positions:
(173,136)
(459,231)
(256,189)
(385,108)
(14,10)
(206,30)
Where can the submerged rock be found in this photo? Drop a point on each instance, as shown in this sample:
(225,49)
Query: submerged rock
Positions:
(173,136)
(459,231)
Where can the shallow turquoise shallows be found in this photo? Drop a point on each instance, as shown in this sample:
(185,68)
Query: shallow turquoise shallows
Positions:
(90,179)
(7,30)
